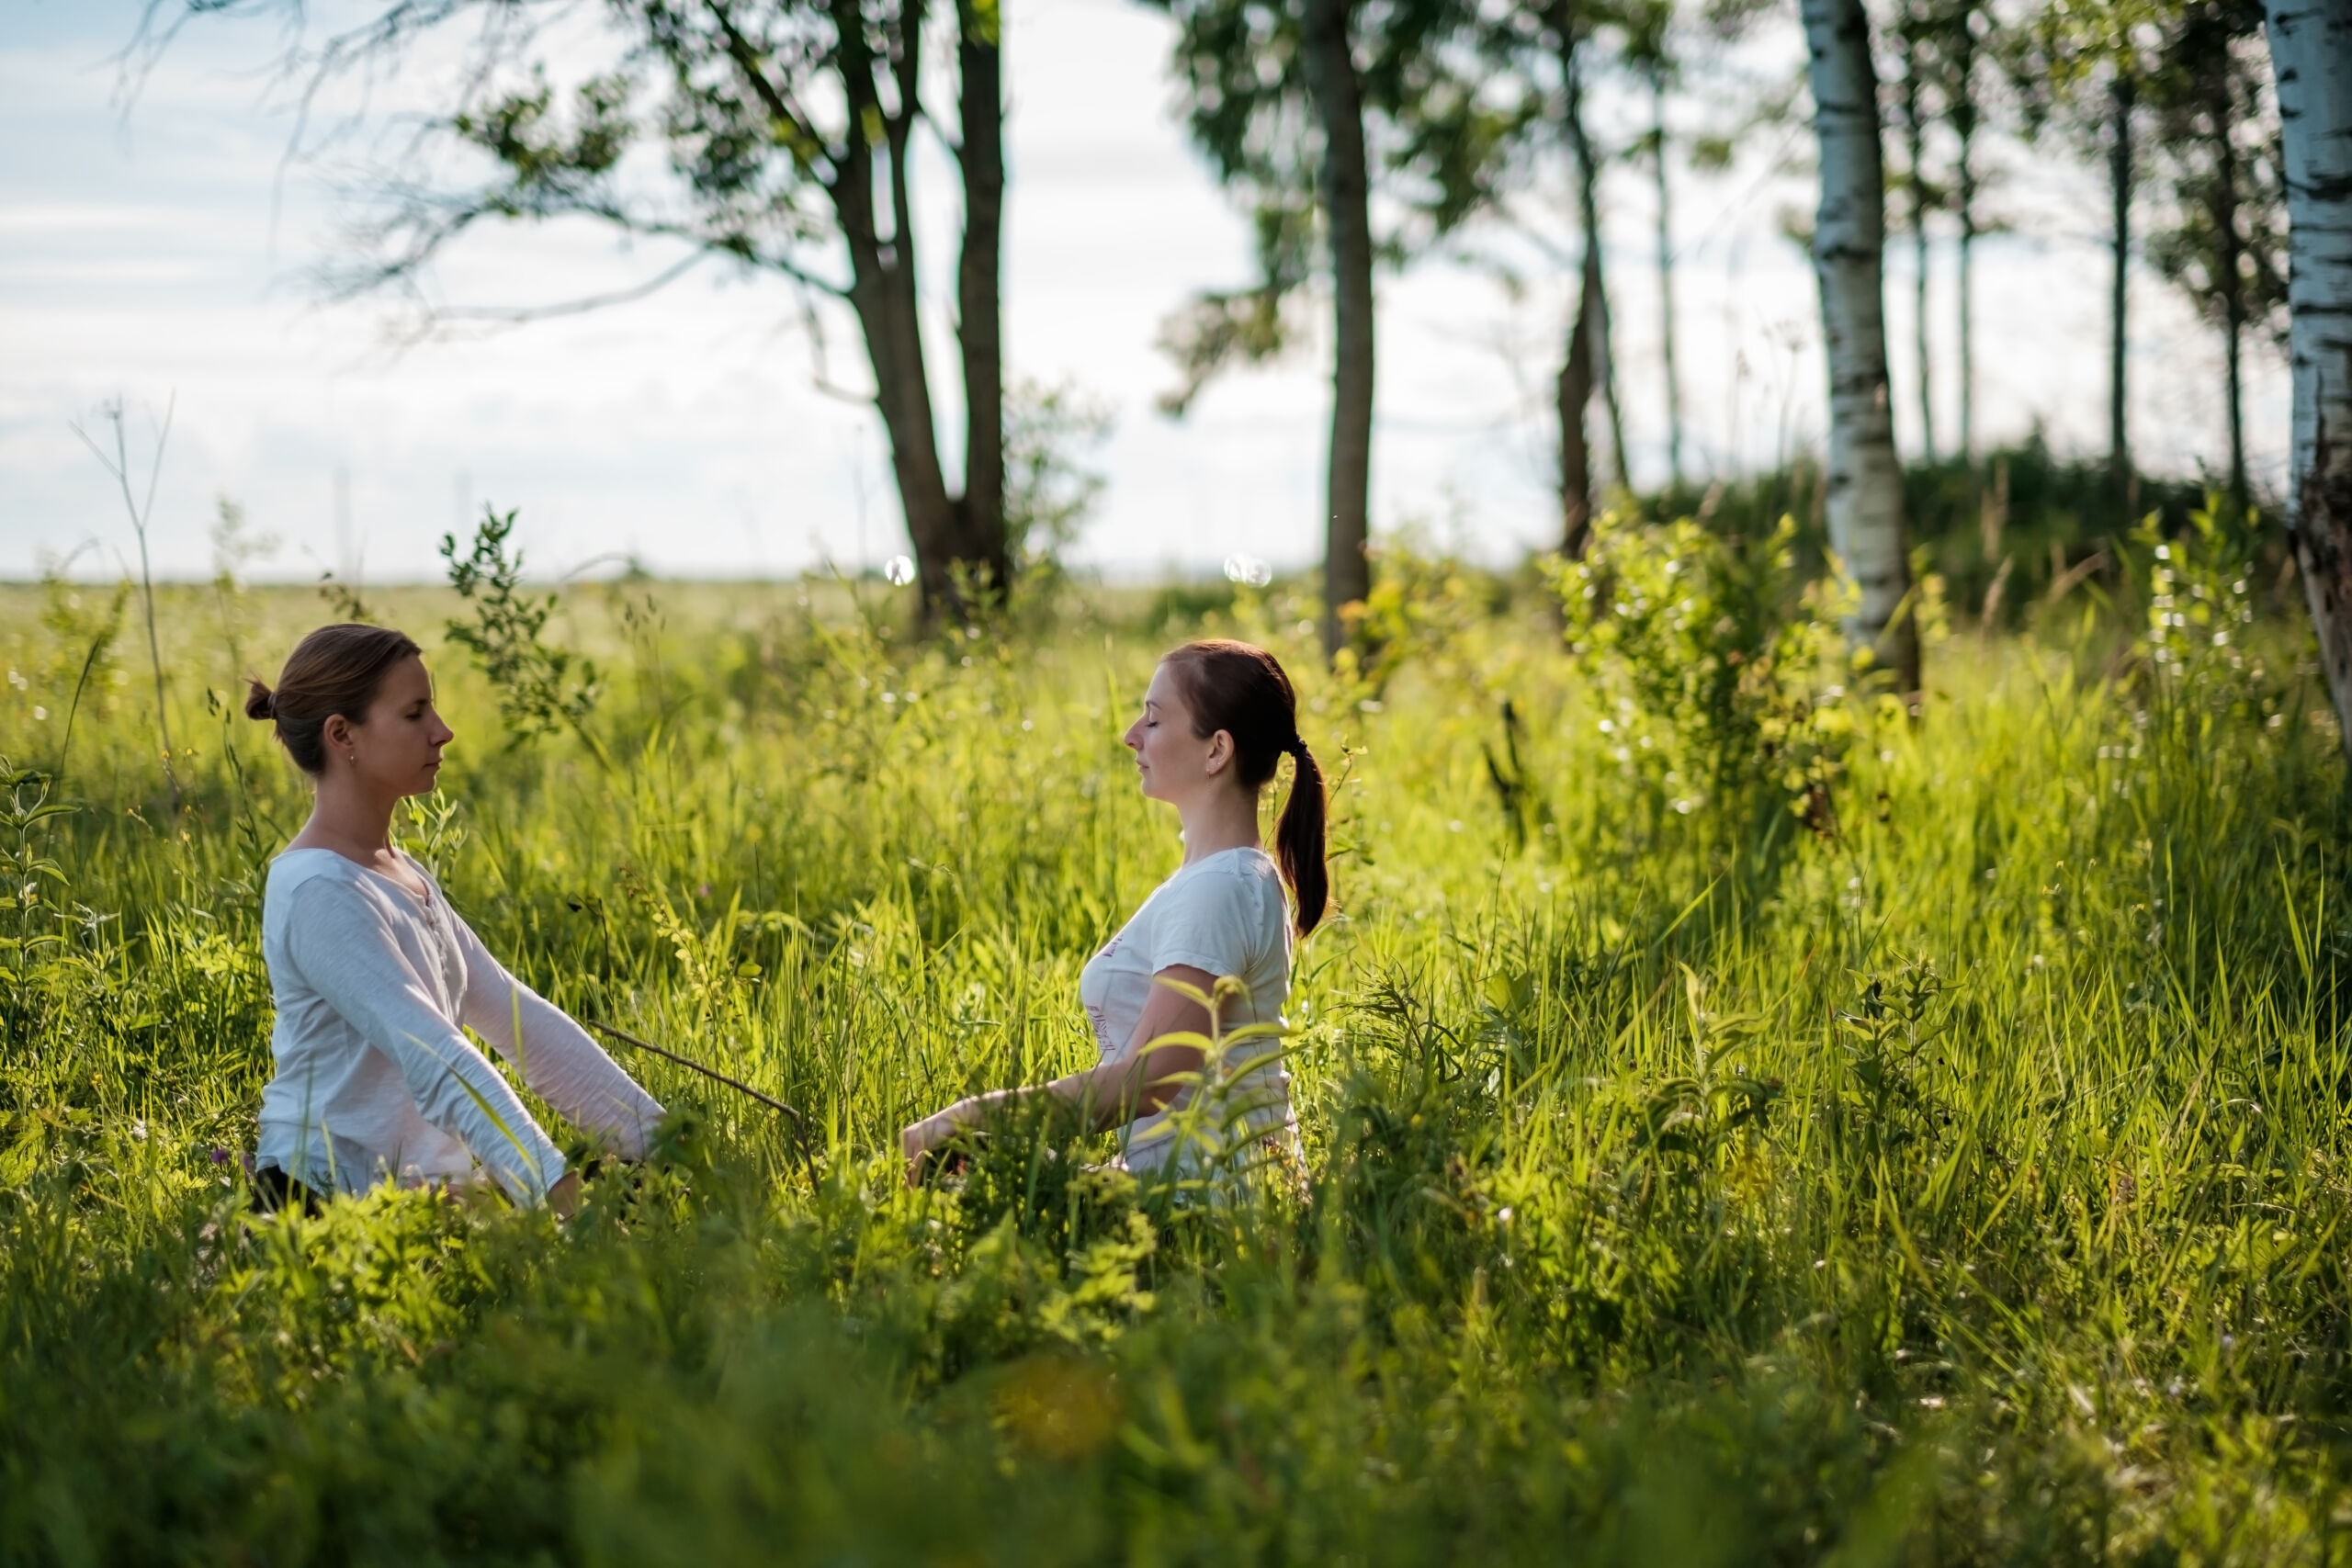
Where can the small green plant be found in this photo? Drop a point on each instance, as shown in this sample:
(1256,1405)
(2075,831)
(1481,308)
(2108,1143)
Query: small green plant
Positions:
(85,639)
(234,547)
(541,689)
(1884,1102)
(2199,605)
(1723,676)
(141,512)
(1423,604)
(346,600)
(32,875)
(1526,811)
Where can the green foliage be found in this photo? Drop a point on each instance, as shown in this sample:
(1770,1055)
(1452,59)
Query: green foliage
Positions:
(29,877)
(1972,1190)
(2221,166)
(1728,677)
(1241,70)
(1421,605)
(540,689)
(1049,493)
(2197,593)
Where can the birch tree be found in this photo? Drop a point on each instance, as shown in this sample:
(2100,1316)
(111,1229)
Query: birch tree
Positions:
(2310,52)
(1864,481)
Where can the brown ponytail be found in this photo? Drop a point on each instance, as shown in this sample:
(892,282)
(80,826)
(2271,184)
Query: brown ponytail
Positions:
(335,670)
(1243,691)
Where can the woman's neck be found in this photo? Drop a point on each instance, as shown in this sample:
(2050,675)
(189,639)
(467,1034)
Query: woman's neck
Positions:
(1224,820)
(349,821)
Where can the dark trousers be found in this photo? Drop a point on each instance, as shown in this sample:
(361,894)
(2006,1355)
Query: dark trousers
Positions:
(274,1190)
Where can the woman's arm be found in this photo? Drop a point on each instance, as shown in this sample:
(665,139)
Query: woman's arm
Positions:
(346,951)
(558,1059)
(1143,1080)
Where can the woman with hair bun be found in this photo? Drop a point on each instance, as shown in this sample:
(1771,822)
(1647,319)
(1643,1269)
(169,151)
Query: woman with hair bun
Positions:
(374,973)
(1218,719)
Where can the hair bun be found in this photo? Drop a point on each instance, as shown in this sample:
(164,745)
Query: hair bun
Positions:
(260,701)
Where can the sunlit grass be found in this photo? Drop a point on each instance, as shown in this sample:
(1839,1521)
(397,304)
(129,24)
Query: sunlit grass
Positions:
(1962,1184)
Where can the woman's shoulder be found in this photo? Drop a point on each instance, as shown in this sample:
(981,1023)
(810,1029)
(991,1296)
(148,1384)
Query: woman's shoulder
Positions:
(293,868)
(1245,861)
(306,875)
(1248,865)
(1243,882)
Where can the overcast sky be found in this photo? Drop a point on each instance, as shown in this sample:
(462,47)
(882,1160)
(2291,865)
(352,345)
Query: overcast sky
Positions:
(160,247)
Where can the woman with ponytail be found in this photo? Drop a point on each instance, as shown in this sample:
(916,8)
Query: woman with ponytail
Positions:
(376,978)
(1218,719)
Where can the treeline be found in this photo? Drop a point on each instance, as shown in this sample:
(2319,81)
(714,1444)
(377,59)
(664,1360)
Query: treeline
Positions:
(1357,134)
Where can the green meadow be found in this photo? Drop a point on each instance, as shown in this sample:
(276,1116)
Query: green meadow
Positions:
(1747,1121)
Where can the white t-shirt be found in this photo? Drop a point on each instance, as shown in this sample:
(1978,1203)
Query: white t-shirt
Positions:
(1223,913)
(375,1078)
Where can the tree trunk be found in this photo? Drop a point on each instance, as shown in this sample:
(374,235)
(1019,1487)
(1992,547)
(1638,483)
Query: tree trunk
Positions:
(882,294)
(1864,482)
(1915,134)
(1666,277)
(1338,95)
(2311,54)
(1605,351)
(1575,397)
(1964,118)
(2221,115)
(1574,386)
(2118,446)
(1587,368)
(978,288)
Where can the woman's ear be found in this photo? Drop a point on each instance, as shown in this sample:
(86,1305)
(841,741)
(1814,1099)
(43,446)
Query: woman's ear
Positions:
(336,733)
(1220,751)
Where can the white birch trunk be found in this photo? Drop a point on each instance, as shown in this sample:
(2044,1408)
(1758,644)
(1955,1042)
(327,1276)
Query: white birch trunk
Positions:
(1865,478)
(2311,56)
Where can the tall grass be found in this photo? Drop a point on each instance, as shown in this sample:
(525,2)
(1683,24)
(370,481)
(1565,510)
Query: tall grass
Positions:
(1959,1179)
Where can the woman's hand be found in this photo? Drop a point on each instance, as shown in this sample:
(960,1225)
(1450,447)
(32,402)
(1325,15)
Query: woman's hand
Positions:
(564,1196)
(919,1140)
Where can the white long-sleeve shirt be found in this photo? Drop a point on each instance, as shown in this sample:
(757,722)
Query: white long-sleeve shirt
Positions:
(375,1078)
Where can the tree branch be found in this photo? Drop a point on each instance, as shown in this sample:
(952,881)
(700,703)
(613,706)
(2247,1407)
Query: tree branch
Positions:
(746,57)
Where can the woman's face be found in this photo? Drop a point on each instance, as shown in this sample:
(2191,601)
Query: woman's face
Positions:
(398,750)
(1176,766)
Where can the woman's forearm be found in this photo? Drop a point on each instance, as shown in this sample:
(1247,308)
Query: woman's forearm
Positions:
(1116,1093)
(1107,1096)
